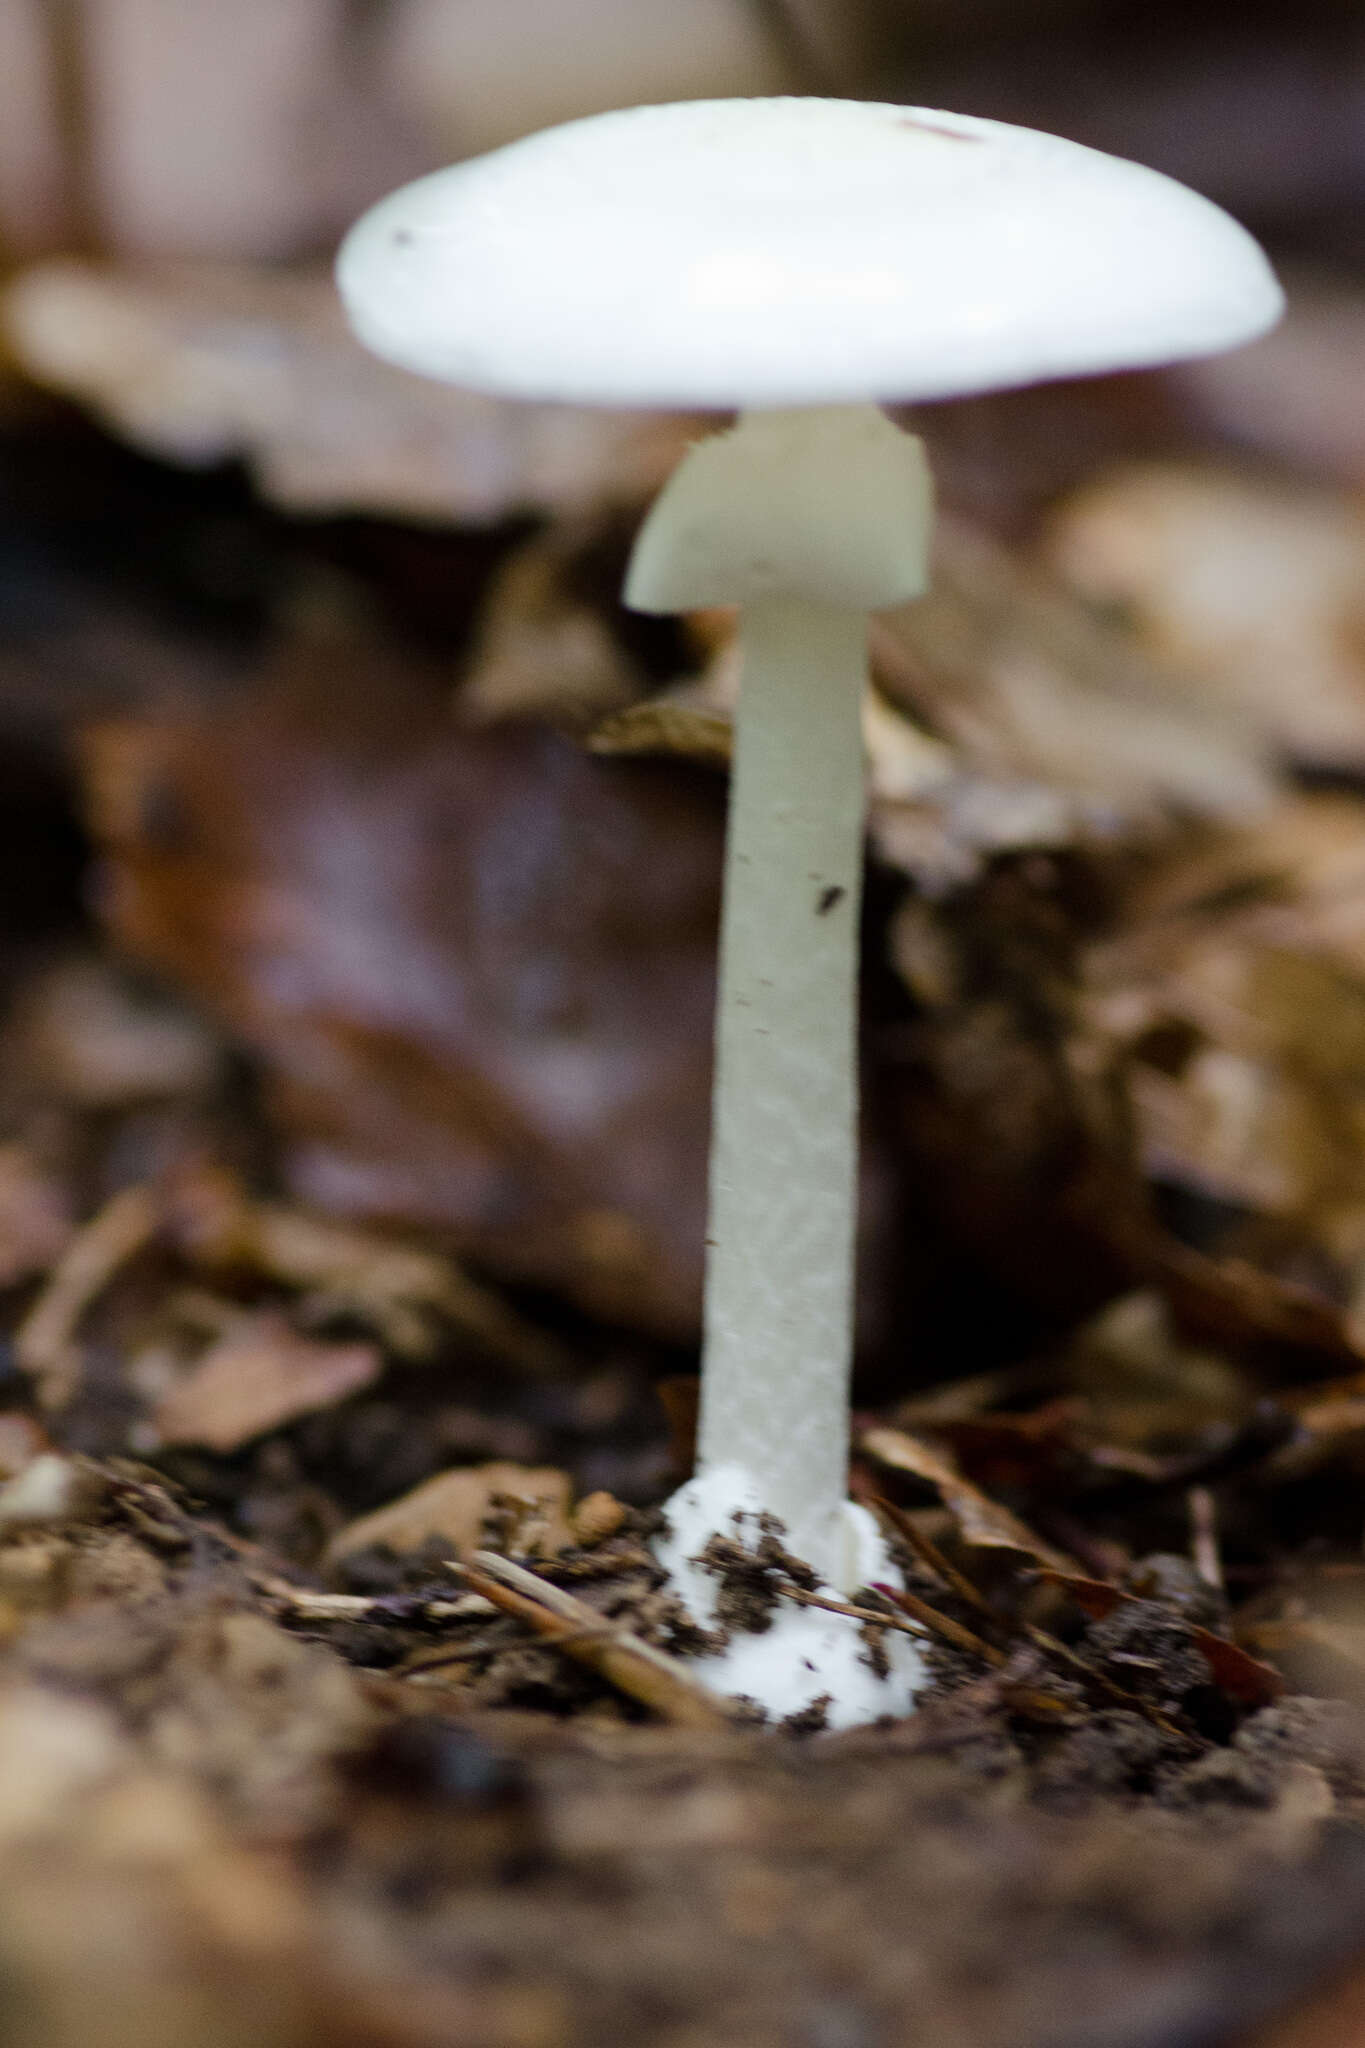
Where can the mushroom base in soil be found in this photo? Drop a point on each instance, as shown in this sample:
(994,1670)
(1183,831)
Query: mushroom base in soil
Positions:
(807,519)
(800,261)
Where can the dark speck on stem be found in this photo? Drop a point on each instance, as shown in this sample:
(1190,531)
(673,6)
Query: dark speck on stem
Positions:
(828,898)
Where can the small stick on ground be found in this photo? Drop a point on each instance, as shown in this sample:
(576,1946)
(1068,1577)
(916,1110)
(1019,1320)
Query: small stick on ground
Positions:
(633,1666)
(1204,1536)
(45,1343)
(306,1605)
(1051,1646)
(929,1554)
(923,1617)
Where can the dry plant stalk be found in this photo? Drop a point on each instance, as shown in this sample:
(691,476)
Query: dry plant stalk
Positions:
(1041,1639)
(45,1342)
(633,1666)
(924,1617)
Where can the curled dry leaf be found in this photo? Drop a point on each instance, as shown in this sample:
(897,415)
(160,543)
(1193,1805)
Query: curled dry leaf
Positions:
(1238,1673)
(259,1376)
(1233,995)
(1253,590)
(404,1292)
(455,1506)
(45,1344)
(477,968)
(35,1216)
(663,726)
(1006,715)
(545,646)
(983,1522)
(208,363)
(95,1040)
(1057,728)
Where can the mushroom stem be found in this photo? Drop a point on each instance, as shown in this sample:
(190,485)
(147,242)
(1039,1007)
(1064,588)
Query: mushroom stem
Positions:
(808,519)
(779,1278)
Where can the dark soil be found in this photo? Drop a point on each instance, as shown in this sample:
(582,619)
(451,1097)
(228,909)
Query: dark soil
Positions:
(497,1849)
(259,1789)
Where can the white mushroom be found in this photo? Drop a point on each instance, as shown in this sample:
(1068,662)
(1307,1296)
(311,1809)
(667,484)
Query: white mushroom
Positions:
(798,260)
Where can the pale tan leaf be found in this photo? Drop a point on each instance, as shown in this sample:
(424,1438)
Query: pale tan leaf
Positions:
(454,1506)
(258,1377)
(982,1521)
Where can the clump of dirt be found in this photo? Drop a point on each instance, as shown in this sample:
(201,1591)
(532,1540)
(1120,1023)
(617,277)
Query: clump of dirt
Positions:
(749,1578)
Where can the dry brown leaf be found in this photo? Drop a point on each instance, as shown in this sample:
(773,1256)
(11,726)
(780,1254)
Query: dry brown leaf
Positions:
(259,1376)
(492,1021)
(45,1344)
(21,1441)
(982,1521)
(1253,589)
(403,1292)
(204,363)
(546,647)
(454,1507)
(35,1216)
(98,1041)
(661,726)
(1056,726)
(1243,1676)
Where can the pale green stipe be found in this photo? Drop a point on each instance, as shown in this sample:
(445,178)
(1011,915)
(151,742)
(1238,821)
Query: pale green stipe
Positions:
(779,1276)
(807,519)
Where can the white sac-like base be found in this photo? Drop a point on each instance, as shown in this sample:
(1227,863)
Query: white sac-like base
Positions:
(806,1653)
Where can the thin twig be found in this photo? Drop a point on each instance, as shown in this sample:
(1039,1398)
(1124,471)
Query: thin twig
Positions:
(928,1553)
(1204,1536)
(1051,1646)
(311,1606)
(924,1617)
(45,1343)
(632,1665)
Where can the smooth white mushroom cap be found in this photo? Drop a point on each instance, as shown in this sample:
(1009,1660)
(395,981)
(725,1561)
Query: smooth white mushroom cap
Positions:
(784,252)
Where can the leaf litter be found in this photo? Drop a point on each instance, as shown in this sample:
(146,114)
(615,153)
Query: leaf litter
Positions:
(336,1664)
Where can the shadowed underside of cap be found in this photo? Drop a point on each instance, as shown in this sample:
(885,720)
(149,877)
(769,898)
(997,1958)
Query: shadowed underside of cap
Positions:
(794,252)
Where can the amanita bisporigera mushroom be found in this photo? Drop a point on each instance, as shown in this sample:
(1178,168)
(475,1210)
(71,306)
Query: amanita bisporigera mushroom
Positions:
(799,261)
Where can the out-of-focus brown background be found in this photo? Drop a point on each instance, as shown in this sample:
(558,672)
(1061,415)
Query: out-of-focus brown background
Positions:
(319,720)
(359,865)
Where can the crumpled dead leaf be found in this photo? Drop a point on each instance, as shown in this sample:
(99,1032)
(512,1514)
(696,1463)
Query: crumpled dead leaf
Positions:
(1233,990)
(96,1040)
(1005,715)
(1238,1673)
(663,726)
(35,1216)
(984,1523)
(45,1343)
(1058,728)
(261,1374)
(477,967)
(454,1507)
(406,1293)
(204,363)
(1253,590)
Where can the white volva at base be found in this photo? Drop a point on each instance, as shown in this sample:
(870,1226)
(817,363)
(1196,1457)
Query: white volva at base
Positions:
(806,1653)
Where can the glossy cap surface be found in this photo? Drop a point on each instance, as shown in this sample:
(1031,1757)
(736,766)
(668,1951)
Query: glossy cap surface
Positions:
(788,252)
